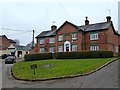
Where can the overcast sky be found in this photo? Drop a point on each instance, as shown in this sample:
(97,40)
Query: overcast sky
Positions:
(21,17)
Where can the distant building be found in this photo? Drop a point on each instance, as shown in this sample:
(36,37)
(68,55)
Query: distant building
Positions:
(8,46)
(70,37)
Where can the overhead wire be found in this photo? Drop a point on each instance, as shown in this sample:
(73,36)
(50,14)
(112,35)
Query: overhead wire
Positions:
(63,9)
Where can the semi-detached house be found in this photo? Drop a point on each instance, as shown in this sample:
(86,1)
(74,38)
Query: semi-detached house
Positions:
(70,37)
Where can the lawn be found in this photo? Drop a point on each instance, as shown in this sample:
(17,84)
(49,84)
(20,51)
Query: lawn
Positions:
(66,67)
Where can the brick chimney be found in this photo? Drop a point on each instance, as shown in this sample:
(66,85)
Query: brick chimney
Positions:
(108,19)
(86,21)
(53,27)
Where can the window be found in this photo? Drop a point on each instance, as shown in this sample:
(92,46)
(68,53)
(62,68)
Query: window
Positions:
(60,48)
(60,37)
(42,50)
(52,49)
(94,36)
(52,40)
(74,47)
(94,48)
(41,41)
(117,50)
(74,36)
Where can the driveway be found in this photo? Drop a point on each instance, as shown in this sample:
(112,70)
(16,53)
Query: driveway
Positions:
(104,78)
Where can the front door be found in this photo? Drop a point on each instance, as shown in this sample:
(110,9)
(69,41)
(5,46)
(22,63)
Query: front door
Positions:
(67,47)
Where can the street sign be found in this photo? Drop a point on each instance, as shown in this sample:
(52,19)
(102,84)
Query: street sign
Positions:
(33,66)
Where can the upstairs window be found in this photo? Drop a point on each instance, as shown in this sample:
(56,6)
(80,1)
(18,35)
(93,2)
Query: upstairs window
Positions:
(74,36)
(41,41)
(94,36)
(52,40)
(60,37)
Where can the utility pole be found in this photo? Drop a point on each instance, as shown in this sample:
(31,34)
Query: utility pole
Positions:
(33,39)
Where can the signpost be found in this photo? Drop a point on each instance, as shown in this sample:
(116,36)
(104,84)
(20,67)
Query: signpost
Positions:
(33,66)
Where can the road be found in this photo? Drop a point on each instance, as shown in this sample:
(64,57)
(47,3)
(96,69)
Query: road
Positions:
(104,78)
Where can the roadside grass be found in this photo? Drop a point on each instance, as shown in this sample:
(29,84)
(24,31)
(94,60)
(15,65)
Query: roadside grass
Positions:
(66,67)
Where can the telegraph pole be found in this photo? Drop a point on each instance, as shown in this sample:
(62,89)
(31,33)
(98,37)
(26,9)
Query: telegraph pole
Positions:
(33,39)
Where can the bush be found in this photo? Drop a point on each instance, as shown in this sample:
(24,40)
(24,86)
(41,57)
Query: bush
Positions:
(39,56)
(84,54)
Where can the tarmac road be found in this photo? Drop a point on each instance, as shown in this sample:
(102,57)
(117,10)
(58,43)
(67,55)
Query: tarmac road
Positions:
(104,78)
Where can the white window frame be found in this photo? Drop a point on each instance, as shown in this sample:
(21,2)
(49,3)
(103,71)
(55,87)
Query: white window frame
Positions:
(74,36)
(60,37)
(52,40)
(94,48)
(74,47)
(52,49)
(60,48)
(42,50)
(41,41)
(117,49)
(94,36)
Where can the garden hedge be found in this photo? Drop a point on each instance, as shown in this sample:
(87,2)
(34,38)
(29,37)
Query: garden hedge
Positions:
(39,56)
(69,55)
(84,54)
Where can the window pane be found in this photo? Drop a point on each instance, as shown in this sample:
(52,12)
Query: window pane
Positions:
(74,47)
(94,48)
(42,50)
(52,40)
(94,36)
(60,48)
(74,36)
(60,37)
(52,49)
(41,41)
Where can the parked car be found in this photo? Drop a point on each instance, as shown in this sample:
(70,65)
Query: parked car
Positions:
(10,60)
(3,56)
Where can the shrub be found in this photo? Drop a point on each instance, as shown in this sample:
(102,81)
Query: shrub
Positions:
(39,56)
(84,54)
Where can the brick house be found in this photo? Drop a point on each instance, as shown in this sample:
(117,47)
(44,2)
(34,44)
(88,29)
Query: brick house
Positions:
(8,46)
(4,44)
(70,37)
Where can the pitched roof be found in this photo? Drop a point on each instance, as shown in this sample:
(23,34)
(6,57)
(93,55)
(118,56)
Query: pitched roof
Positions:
(84,28)
(96,26)
(12,41)
(20,47)
(46,33)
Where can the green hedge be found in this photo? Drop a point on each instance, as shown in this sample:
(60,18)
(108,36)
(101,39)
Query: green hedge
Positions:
(39,56)
(69,55)
(84,54)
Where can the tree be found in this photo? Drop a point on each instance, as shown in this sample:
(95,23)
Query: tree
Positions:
(17,41)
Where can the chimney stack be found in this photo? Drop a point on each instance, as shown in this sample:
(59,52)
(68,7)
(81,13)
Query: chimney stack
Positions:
(86,21)
(108,19)
(53,27)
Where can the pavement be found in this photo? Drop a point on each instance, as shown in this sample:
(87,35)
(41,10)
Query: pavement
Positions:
(104,78)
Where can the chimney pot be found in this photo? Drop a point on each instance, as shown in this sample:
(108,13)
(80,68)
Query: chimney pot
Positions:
(53,27)
(86,21)
(108,19)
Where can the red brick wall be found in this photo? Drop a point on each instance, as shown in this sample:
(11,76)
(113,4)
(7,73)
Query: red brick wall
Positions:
(4,42)
(113,40)
(69,29)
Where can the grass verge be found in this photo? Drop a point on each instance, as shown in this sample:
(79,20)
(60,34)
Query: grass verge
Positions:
(22,70)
